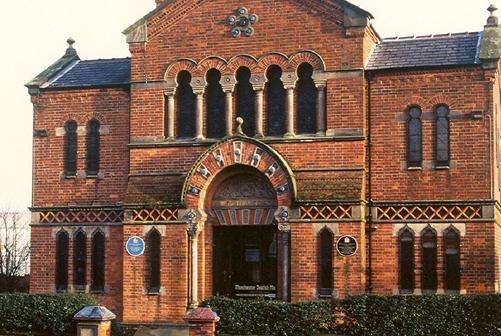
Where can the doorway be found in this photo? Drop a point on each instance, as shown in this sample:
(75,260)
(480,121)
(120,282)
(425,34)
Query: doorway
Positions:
(245,261)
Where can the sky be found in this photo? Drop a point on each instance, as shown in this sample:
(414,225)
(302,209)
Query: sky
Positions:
(35,33)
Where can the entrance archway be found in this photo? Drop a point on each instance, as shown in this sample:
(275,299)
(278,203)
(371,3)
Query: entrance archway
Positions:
(241,206)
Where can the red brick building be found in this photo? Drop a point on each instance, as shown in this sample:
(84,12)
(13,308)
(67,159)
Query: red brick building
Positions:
(359,164)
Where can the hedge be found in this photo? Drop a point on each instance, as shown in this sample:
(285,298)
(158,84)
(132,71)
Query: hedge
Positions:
(40,314)
(430,315)
(243,317)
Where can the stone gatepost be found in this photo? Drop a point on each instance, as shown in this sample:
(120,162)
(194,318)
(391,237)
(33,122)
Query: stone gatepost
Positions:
(202,322)
(94,321)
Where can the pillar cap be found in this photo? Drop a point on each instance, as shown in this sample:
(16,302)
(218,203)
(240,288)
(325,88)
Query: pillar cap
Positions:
(201,315)
(94,313)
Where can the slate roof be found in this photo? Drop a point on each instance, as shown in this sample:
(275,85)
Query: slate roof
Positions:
(102,72)
(426,51)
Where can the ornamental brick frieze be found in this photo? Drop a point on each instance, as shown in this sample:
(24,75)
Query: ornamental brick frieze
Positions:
(87,216)
(428,212)
(326,212)
(153,215)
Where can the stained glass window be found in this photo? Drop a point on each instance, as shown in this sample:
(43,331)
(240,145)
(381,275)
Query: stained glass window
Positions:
(414,137)
(93,147)
(429,260)
(62,243)
(153,255)
(452,260)
(326,245)
(80,260)
(98,261)
(442,134)
(70,148)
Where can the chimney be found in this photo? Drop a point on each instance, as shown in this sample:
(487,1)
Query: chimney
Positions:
(159,2)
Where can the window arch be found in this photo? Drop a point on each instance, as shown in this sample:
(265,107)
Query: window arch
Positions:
(326,246)
(70,148)
(62,244)
(216,115)
(186,102)
(406,261)
(429,260)
(306,100)
(442,135)
(80,260)
(414,137)
(245,97)
(275,102)
(153,256)
(93,147)
(452,259)
(98,261)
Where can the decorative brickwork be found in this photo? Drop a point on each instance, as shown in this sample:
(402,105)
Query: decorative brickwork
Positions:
(154,215)
(81,216)
(325,212)
(428,212)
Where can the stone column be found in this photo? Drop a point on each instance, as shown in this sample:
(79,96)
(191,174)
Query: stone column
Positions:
(289,108)
(195,226)
(259,110)
(282,216)
(198,85)
(321,115)
(171,108)
(228,84)
(94,321)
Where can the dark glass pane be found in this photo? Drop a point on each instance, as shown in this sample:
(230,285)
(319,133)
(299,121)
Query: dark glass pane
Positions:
(80,260)
(442,133)
(186,102)
(429,260)
(306,100)
(245,98)
(452,260)
(326,262)
(275,102)
(216,115)
(62,243)
(406,247)
(98,258)
(414,137)
(70,148)
(93,145)
(154,261)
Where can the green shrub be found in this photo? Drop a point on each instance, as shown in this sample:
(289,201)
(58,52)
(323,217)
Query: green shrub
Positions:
(244,317)
(40,314)
(430,315)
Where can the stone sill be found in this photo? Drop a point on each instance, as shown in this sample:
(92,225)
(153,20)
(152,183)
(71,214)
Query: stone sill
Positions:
(269,140)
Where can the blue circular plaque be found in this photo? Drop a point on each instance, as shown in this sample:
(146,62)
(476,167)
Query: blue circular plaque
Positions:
(135,246)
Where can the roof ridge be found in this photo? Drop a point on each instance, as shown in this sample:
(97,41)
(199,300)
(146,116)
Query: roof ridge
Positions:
(429,36)
(107,59)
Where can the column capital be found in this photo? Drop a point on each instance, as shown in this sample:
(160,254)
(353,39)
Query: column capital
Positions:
(320,83)
(258,82)
(170,91)
(289,79)
(228,83)
(198,85)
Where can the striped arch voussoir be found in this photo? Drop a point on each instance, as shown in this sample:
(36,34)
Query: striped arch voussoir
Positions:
(244,152)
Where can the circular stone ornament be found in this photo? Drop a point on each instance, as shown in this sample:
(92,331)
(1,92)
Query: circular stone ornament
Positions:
(347,246)
(135,246)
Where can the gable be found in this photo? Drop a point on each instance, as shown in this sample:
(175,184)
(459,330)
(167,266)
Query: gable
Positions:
(172,11)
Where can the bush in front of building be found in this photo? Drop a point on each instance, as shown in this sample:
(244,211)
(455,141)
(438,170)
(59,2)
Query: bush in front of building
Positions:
(427,315)
(42,314)
(440,315)
(245,317)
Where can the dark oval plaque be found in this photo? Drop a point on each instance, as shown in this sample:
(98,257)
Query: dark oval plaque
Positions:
(347,246)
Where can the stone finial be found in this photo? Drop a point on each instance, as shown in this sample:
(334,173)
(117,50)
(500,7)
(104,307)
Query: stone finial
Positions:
(70,51)
(493,19)
(94,313)
(240,122)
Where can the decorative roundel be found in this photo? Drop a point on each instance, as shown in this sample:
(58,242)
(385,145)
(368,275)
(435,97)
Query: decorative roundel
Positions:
(235,32)
(253,18)
(242,22)
(232,19)
(249,31)
(242,11)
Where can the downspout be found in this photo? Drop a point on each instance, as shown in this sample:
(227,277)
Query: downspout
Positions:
(369,184)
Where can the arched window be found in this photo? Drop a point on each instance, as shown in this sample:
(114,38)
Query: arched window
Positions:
(414,137)
(326,245)
(153,257)
(98,259)
(186,102)
(442,136)
(306,100)
(93,145)
(429,260)
(70,148)
(216,116)
(245,97)
(80,260)
(406,261)
(62,243)
(275,102)
(452,260)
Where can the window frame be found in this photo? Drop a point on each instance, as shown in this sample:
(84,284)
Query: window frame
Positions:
(154,279)
(447,272)
(70,160)
(326,271)
(61,274)
(411,271)
(434,280)
(438,162)
(80,254)
(93,148)
(98,262)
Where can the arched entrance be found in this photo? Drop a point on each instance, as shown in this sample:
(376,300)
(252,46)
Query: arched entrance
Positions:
(241,205)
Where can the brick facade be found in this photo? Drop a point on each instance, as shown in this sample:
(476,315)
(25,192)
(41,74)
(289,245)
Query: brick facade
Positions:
(351,177)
